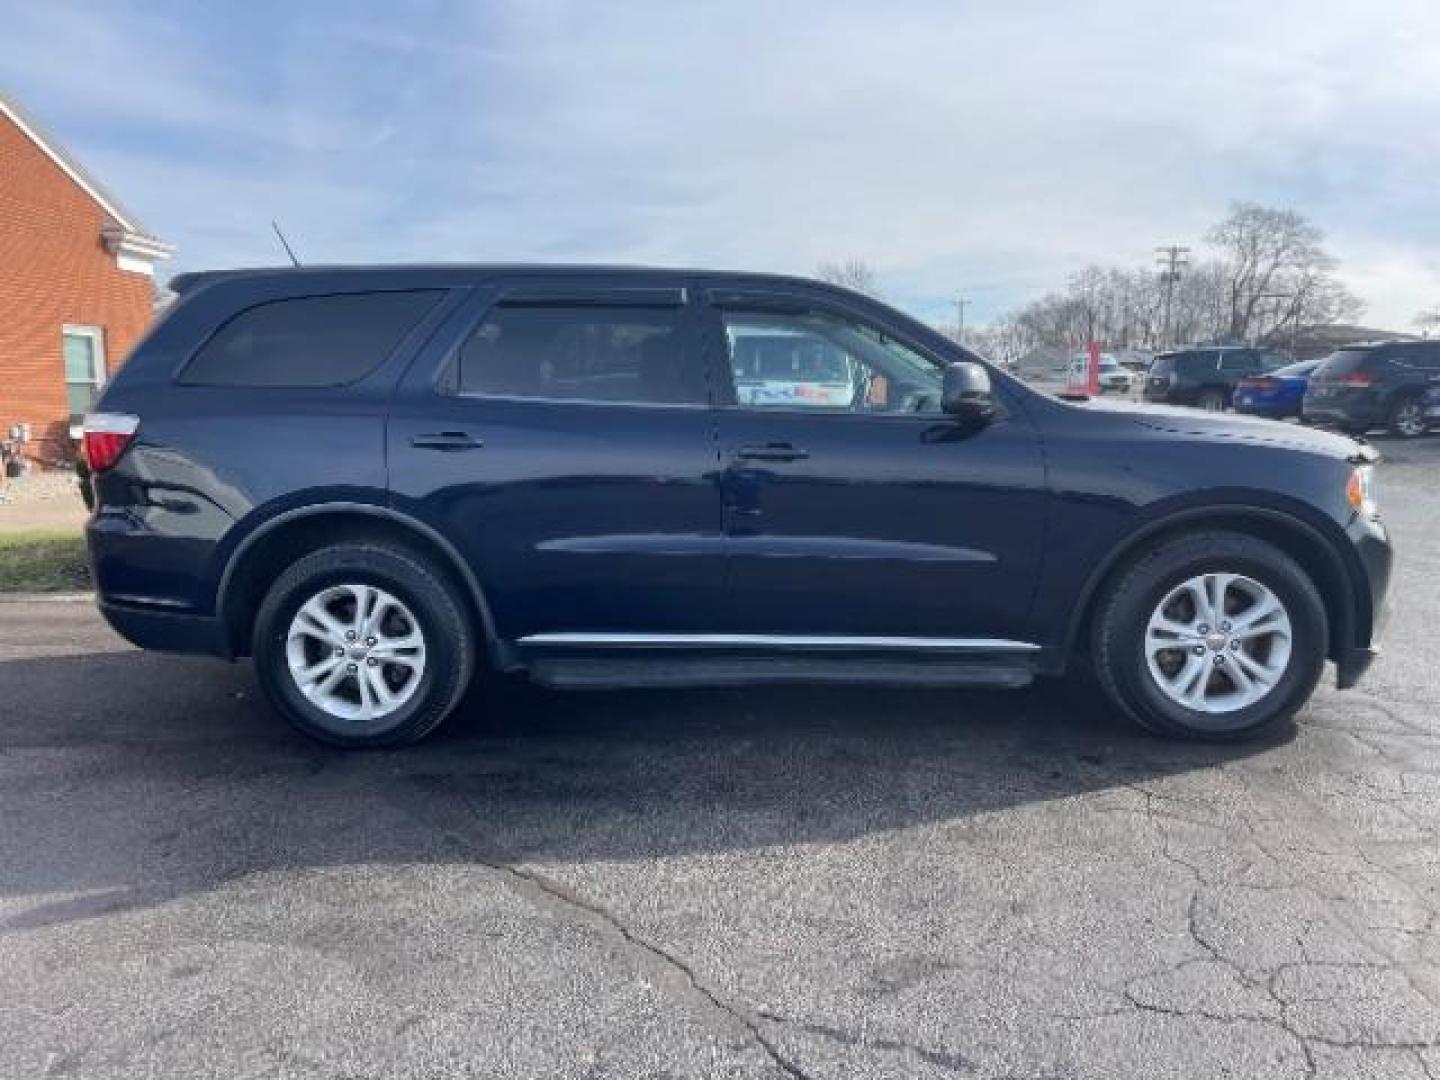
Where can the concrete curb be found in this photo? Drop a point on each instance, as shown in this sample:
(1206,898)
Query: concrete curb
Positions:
(47,597)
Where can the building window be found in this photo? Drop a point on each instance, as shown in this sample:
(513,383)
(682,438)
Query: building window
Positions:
(84,348)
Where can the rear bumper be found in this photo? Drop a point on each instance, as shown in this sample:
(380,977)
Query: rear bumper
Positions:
(167,631)
(1267,408)
(1348,410)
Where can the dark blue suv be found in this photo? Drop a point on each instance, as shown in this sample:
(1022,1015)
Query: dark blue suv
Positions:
(378,481)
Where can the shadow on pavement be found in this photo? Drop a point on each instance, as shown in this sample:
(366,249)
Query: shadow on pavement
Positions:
(130,779)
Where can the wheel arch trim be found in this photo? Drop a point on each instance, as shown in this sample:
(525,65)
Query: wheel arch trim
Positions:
(1343,621)
(426,532)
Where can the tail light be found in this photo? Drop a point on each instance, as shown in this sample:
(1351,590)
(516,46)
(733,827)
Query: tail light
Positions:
(107,435)
(1258,384)
(1356,378)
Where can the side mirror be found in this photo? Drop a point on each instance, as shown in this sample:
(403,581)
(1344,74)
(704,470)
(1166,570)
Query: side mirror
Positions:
(966,395)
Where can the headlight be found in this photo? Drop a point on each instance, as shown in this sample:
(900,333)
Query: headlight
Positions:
(1360,490)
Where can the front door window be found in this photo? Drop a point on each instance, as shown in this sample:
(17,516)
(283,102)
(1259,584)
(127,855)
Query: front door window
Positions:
(817,362)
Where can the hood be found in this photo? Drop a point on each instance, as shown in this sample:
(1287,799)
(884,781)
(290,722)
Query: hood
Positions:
(1241,428)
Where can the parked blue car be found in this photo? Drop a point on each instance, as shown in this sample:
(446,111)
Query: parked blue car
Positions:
(1277,395)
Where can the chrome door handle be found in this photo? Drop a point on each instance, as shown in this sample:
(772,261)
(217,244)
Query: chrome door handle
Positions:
(771,452)
(446,440)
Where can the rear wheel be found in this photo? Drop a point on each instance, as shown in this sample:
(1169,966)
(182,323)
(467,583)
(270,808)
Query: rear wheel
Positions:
(363,645)
(1407,417)
(1214,636)
(1211,400)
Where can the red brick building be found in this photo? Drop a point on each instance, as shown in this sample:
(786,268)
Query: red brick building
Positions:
(76,286)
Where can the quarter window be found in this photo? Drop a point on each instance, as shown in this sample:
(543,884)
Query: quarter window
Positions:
(552,352)
(84,353)
(821,362)
(309,341)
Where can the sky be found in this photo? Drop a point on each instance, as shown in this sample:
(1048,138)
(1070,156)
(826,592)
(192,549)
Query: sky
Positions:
(961,148)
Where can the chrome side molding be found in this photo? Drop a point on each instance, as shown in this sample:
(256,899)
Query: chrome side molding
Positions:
(778,641)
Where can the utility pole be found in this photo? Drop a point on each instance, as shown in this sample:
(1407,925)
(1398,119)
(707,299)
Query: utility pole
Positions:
(1172,258)
(960,306)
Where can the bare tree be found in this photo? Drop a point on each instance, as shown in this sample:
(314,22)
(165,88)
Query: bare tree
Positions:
(1272,275)
(854,274)
(1277,255)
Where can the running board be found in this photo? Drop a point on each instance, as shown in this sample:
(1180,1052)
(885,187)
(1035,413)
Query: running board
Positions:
(600,673)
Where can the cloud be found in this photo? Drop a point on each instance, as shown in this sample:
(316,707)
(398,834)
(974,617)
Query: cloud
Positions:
(973,148)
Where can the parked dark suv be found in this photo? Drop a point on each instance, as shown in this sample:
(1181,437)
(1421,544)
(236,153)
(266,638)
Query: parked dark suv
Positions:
(1375,386)
(1205,378)
(378,481)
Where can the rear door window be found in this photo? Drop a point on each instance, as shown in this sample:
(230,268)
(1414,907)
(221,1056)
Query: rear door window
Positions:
(581,352)
(309,341)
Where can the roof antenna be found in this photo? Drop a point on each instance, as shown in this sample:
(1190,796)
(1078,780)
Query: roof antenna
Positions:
(283,242)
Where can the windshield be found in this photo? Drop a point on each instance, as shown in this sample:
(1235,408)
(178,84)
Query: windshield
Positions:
(1304,367)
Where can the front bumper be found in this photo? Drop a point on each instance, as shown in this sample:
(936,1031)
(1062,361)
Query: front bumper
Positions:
(1352,664)
(1371,541)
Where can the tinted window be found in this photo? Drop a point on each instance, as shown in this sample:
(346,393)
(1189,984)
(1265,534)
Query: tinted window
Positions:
(309,340)
(1195,363)
(1424,357)
(581,353)
(1304,367)
(825,362)
(1344,362)
(1238,361)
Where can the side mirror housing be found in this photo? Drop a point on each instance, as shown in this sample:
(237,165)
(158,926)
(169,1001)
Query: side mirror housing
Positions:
(966,394)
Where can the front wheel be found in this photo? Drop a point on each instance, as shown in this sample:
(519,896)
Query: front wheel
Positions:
(363,645)
(1215,636)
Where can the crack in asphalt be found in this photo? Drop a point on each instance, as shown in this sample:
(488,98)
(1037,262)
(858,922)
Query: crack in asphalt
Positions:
(656,959)
(949,1060)
(1282,1021)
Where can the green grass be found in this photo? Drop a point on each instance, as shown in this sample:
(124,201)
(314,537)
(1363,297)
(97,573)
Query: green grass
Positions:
(43,562)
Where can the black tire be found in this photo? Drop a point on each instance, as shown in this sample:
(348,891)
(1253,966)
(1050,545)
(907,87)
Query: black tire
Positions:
(1407,417)
(1212,400)
(1123,614)
(439,610)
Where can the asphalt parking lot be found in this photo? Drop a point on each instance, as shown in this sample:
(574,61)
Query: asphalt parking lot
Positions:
(796,883)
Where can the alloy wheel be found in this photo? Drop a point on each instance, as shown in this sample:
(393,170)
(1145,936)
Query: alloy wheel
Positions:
(1410,418)
(356,652)
(1218,642)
